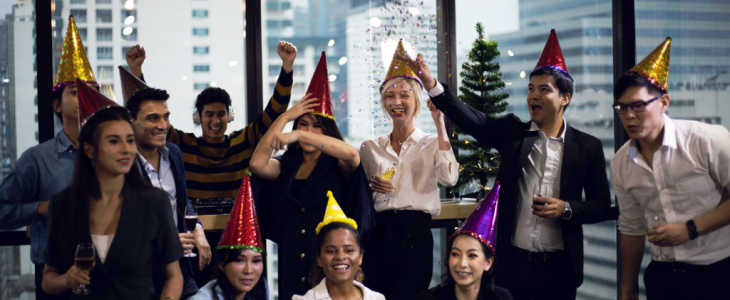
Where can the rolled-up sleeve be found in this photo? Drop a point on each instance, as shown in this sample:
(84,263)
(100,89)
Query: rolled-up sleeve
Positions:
(18,194)
(447,168)
(630,219)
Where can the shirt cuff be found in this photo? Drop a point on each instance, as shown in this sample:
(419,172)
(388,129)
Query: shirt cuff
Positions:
(436,90)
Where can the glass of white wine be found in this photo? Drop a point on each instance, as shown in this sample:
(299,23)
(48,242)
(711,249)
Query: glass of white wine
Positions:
(84,259)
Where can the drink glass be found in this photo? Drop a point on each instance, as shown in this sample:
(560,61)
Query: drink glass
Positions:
(84,259)
(191,220)
(656,220)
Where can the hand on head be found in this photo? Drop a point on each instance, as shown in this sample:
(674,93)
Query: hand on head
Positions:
(305,105)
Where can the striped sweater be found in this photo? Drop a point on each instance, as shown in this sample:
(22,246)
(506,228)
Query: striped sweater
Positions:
(215,170)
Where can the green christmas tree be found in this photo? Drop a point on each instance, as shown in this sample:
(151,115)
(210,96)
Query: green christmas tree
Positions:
(483,89)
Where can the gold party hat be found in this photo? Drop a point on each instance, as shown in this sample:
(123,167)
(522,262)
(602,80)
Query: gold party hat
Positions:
(399,67)
(73,63)
(334,213)
(655,66)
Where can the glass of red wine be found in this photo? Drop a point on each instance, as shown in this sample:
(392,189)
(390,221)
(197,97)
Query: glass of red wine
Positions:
(191,220)
(84,259)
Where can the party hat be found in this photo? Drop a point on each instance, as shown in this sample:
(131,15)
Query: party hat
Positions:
(130,83)
(655,67)
(334,213)
(90,101)
(73,63)
(399,67)
(552,56)
(482,223)
(242,230)
(319,87)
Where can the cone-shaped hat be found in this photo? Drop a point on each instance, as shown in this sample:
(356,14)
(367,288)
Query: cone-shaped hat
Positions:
(319,87)
(399,67)
(130,83)
(334,213)
(90,101)
(552,56)
(242,230)
(482,223)
(73,63)
(655,67)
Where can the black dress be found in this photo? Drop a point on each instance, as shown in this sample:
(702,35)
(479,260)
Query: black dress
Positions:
(145,241)
(289,210)
(446,292)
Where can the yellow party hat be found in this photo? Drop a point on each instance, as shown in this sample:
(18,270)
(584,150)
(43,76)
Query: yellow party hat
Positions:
(399,67)
(655,66)
(73,63)
(333,214)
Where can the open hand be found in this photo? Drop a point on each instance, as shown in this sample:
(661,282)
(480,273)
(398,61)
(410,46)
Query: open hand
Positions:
(435,112)
(303,106)
(282,139)
(419,66)
(204,252)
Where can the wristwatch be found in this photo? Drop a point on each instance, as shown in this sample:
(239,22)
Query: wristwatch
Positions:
(568,212)
(692,229)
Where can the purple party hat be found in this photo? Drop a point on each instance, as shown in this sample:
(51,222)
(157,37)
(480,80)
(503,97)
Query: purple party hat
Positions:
(482,223)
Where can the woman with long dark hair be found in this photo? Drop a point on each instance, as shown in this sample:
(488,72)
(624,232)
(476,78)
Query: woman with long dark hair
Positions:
(112,208)
(316,160)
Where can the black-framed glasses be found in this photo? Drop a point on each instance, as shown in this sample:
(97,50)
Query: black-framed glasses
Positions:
(636,106)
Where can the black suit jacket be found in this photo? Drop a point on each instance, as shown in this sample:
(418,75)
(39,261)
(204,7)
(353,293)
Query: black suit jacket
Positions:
(178,171)
(583,171)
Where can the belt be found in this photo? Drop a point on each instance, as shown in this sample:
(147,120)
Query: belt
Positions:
(538,257)
(681,267)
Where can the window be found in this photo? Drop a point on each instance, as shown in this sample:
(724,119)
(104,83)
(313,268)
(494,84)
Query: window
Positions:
(200,31)
(78,1)
(200,50)
(103,34)
(201,68)
(200,13)
(198,86)
(104,73)
(103,16)
(104,53)
(82,33)
(103,1)
(79,16)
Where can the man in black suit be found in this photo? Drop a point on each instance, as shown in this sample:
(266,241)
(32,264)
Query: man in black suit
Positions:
(546,168)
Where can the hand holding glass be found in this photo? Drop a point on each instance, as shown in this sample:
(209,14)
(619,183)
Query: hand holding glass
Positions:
(84,259)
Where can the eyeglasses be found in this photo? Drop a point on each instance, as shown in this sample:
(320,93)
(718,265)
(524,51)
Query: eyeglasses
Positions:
(636,106)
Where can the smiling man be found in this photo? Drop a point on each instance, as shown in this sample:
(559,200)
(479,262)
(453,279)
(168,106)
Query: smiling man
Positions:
(547,167)
(672,184)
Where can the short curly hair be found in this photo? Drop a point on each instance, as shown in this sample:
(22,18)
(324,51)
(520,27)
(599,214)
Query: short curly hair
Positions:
(212,95)
(145,94)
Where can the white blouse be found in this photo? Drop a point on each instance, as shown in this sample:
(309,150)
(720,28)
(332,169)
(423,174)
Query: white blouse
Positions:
(319,292)
(102,242)
(418,170)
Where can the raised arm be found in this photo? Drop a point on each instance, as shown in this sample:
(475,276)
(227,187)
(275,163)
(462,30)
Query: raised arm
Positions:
(261,162)
(135,57)
(447,168)
(347,156)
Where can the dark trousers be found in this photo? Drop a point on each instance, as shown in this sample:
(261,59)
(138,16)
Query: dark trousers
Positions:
(400,258)
(539,275)
(668,281)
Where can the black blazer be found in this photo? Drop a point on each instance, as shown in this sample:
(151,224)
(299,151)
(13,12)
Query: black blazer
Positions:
(583,170)
(178,171)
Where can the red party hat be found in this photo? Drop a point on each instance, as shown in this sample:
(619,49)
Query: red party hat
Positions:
(552,56)
(242,230)
(90,101)
(319,87)
(130,83)
(482,223)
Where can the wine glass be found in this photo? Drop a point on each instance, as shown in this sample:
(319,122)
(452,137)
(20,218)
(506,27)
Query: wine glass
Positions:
(654,221)
(191,220)
(84,259)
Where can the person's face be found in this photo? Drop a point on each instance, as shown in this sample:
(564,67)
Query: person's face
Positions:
(68,105)
(244,272)
(214,121)
(151,124)
(544,100)
(642,123)
(467,262)
(340,257)
(309,122)
(115,149)
(399,101)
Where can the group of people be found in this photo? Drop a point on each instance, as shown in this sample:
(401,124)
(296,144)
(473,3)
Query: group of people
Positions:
(355,224)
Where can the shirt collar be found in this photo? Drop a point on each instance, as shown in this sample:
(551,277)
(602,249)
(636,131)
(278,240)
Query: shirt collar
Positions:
(533,127)
(669,138)
(63,143)
(415,136)
(164,153)
(320,290)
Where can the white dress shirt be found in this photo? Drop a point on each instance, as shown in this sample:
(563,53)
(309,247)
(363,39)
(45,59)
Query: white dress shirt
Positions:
(541,176)
(690,176)
(418,170)
(164,179)
(319,292)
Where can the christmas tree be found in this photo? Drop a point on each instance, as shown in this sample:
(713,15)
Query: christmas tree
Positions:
(483,89)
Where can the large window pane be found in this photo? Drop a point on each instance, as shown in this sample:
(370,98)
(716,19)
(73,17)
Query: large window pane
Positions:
(18,127)
(521,28)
